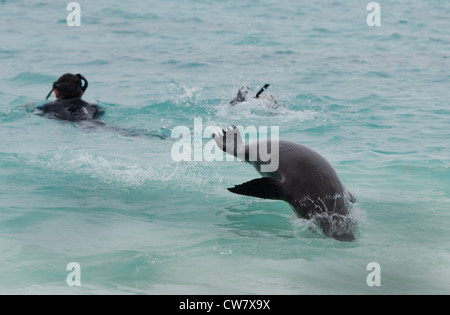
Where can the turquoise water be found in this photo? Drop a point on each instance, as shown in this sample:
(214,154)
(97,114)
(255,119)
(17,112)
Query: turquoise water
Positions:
(373,100)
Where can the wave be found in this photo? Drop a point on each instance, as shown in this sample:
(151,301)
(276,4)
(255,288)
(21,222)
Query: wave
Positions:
(256,109)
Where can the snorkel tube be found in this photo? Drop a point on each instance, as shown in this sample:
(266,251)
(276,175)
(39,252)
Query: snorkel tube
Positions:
(86,83)
(52,90)
(83,85)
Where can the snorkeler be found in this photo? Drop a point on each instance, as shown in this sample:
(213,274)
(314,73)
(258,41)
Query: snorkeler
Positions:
(69,106)
(242,96)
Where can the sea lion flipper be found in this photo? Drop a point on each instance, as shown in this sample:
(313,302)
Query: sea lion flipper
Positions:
(265,187)
(231,142)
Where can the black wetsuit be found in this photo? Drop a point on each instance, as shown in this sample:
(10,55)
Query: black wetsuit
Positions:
(74,109)
(77,110)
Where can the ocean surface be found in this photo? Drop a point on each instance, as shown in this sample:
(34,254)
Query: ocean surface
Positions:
(374,101)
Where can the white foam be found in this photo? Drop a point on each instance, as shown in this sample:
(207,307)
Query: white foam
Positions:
(105,169)
(262,108)
(122,172)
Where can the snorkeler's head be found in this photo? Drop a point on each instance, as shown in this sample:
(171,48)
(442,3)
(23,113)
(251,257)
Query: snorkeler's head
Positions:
(69,86)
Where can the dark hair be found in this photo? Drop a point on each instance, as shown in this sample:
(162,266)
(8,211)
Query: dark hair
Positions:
(68,86)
